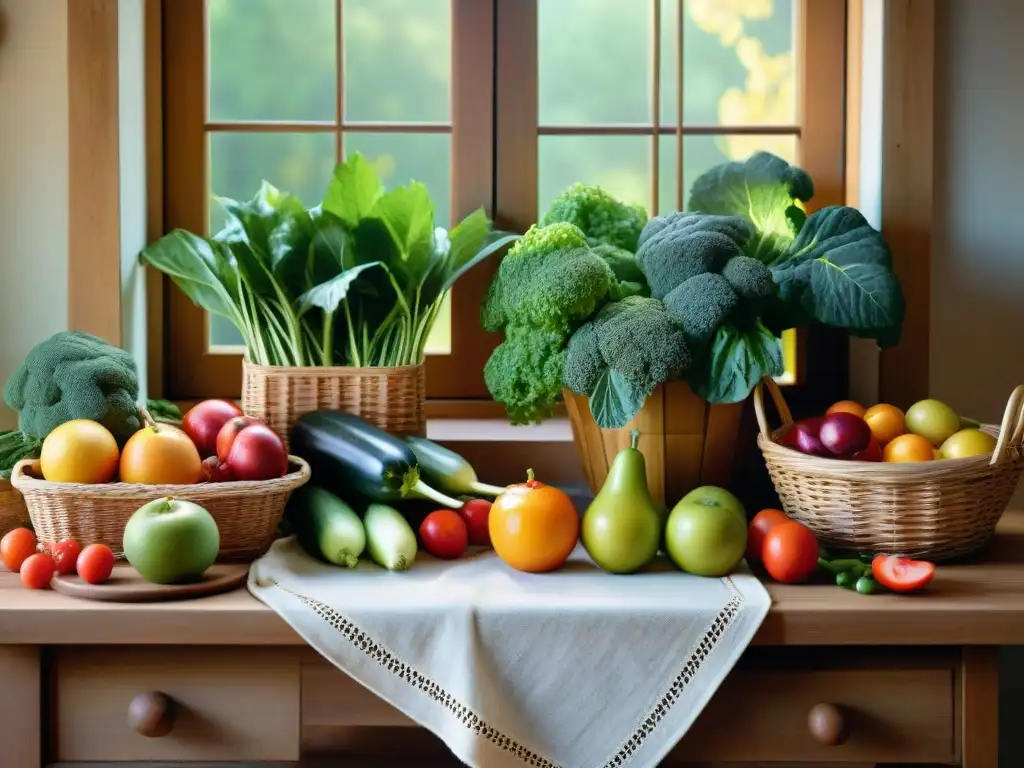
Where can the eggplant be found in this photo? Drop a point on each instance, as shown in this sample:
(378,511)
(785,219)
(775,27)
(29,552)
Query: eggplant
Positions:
(447,470)
(348,455)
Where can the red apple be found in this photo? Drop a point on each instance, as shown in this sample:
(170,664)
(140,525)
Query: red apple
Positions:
(216,471)
(203,423)
(257,453)
(230,431)
(803,437)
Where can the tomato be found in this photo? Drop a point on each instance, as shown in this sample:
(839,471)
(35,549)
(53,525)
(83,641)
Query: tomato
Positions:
(763,522)
(65,555)
(476,513)
(37,570)
(901,574)
(534,527)
(790,552)
(16,547)
(95,563)
(444,534)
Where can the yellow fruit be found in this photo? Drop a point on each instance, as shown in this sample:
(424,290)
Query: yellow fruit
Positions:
(967,442)
(886,422)
(160,455)
(79,451)
(908,448)
(932,419)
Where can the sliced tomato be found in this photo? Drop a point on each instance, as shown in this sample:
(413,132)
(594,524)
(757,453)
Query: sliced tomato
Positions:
(901,574)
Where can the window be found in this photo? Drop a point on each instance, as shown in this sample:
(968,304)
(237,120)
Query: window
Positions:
(500,103)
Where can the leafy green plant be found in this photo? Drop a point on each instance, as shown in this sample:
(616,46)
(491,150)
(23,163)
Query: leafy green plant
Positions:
(358,280)
(715,287)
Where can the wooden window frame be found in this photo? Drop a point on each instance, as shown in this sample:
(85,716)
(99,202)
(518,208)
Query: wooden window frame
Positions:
(506,182)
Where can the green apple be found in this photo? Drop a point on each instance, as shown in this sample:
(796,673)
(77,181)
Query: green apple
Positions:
(933,420)
(967,442)
(171,541)
(713,496)
(705,539)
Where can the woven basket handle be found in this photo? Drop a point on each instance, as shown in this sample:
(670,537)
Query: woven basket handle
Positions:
(21,470)
(777,399)
(1011,431)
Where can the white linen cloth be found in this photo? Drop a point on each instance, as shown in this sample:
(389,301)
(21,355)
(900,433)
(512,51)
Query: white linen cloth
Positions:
(572,669)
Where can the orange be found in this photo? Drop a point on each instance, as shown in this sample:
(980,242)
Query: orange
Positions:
(846,406)
(534,527)
(79,451)
(908,448)
(158,455)
(886,422)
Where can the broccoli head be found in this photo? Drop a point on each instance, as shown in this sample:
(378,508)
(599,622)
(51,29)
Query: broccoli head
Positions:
(700,305)
(749,278)
(634,337)
(75,375)
(549,291)
(680,246)
(553,237)
(603,219)
(525,373)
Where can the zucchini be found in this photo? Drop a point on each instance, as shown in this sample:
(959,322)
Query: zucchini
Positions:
(347,455)
(448,470)
(326,527)
(390,539)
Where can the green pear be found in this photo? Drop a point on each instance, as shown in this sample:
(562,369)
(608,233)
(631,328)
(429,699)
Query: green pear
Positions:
(621,529)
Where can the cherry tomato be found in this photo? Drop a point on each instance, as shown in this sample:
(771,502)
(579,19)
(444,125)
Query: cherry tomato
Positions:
(65,555)
(901,574)
(444,534)
(790,552)
(763,522)
(37,570)
(476,514)
(95,563)
(16,547)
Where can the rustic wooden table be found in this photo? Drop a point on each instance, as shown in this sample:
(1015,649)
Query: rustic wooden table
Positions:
(833,679)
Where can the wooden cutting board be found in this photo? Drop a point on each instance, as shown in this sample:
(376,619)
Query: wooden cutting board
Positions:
(125,585)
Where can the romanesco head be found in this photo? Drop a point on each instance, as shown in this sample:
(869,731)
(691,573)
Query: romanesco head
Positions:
(548,238)
(601,217)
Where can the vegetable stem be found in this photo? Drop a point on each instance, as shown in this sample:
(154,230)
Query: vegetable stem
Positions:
(486,490)
(421,490)
(634,439)
(353,350)
(328,351)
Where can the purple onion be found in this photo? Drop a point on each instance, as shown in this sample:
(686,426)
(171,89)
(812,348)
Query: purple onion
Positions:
(844,434)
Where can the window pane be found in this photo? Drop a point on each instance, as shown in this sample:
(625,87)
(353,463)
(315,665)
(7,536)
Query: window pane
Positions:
(398,60)
(738,62)
(594,61)
(271,60)
(300,163)
(426,157)
(620,164)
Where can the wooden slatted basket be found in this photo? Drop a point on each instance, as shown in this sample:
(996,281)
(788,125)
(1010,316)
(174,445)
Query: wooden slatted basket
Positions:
(932,509)
(390,398)
(247,513)
(686,441)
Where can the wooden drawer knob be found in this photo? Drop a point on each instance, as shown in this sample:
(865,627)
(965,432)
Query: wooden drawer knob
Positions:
(151,714)
(827,724)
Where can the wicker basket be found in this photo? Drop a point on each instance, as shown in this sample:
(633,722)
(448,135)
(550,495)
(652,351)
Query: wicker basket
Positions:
(390,398)
(247,513)
(936,510)
(13,512)
(686,441)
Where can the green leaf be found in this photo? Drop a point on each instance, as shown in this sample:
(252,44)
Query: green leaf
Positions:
(615,401)
(354,190)
(328,296)
(15,446)
(198,269)
(736,360)
(766,191)
(839,272)
(472,241)
(408,214)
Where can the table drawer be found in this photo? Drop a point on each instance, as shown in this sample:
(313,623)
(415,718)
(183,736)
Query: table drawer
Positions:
(225,703)
(878,715)
(895,710)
